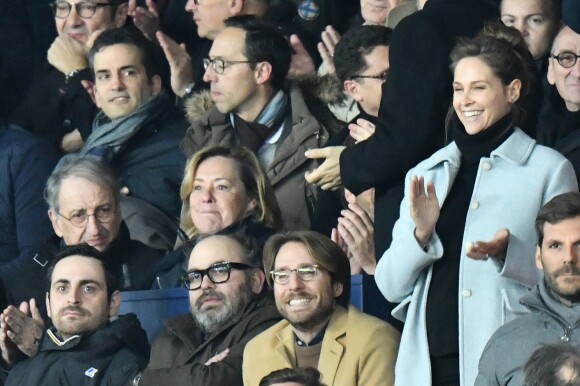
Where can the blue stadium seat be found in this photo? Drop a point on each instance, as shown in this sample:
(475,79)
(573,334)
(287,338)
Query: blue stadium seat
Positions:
(153,306)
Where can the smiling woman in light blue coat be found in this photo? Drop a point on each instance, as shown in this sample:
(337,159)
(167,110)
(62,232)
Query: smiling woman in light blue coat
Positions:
(463,248)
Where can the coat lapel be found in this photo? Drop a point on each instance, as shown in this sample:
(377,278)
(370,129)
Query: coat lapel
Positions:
(285,347)
(332,349)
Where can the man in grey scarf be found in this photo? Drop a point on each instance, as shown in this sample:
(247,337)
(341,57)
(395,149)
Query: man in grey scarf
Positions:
(138,129)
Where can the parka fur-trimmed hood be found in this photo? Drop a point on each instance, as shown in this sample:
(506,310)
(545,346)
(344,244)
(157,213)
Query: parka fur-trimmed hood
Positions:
(318,93)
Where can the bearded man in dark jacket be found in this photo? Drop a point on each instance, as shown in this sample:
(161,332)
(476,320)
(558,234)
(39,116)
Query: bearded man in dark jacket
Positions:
(229,307)
(89,344)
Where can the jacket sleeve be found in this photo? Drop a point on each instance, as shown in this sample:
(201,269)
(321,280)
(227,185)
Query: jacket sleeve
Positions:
(411,122)
(562,180)
(401,265)
(30,168)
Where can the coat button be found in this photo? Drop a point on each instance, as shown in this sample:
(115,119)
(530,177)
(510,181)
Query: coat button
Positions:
(474,205)
(466,293)
(486,166)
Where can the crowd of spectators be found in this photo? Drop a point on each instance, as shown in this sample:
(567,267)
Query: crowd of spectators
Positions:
(259,153)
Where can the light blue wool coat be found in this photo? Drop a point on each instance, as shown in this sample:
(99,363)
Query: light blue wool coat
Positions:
(511,186)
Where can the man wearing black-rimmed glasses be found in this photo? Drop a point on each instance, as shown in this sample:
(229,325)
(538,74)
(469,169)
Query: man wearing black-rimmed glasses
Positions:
(310,276)
(559,124)
(228,308)
(56,105)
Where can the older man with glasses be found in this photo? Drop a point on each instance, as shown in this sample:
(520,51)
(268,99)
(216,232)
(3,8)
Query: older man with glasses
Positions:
(56,105)
(83,201)
(228,308)
(310,275)
(559,125)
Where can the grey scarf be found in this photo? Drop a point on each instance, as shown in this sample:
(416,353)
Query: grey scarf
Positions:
(109,137)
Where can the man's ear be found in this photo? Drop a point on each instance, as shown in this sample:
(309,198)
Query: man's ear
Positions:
(115,303)
(539,264)
(257,279)
(47,300)
(337,288)
(351,88)
(120,17)
(236,7)
(55,224)
(155,85)
(97,97)
(263,72)
(551,75)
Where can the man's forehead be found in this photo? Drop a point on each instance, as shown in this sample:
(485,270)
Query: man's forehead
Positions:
(567,40)
(77,268)
(524,7)
(565,229)
(75,189)
(292,255)
(213,250)
(127,54)
(228,43)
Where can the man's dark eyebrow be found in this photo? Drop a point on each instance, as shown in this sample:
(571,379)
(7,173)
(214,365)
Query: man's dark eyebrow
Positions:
(82,282)
(89,281)
(62,281)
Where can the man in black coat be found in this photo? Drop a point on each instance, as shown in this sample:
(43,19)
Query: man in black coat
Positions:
(559,125)
(415,100)
(88,343)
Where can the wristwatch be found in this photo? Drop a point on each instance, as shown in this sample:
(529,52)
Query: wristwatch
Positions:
(71,74)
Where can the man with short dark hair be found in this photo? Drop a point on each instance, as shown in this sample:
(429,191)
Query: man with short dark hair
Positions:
(139,127)
(554,303)
(250,106)
(228,308)
(310,275)
(88,343)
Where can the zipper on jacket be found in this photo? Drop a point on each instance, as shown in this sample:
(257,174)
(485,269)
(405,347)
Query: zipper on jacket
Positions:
(568,329)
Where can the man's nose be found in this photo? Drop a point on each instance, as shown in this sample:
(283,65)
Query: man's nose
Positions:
(190,6)
(521,26)
(73,18)
(93,225)
(74,296)
(209,75)
(571,254)
(117,82)
(206,282)
(295,282)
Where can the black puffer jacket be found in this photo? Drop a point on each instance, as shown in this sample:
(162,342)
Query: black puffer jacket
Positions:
(111,356)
